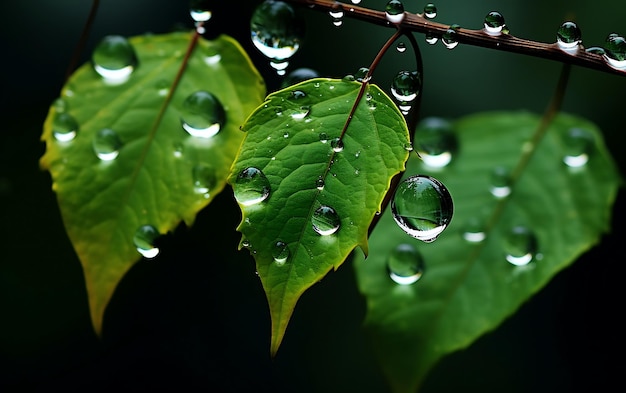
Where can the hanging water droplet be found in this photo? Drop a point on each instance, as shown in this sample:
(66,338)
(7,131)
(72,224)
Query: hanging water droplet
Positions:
(362,75)
(297,95)
(64,127)
(500,182)
(405,264)
(280,253)
(276,31)
(401,47)
(577,143)
(325,221)
(337,145)
(202,115)
(114,59)
(251,187)
(336,14)
(408,146)
(568,37)
(615,51)
(280,66)
(299,75)
(520,246)
(203,178)
(436,141)
(144,240)
(394,11)
(449,37)
(430,11)
(106,144)
(406,86)
(494,23)
(319,183)
(422,207)
(323,137)
(431,39)
(200,10)
(474,230)
(356,1)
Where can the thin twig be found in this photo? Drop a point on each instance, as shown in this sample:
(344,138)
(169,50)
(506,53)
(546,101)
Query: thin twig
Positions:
(83,39)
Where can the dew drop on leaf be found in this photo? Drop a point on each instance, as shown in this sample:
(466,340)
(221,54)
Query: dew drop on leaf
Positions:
(430,11)
(394,11)
(251,187)
(568,37)
(337,145)
(449,37)
(144,239)
(577,143)
(203,178)
(325,221)
(405,264)
(474,230)
(106,144)
(500,186)
(323,137)
(520,245)
(202,115)
(60,105)
(319,183)
(64,127)
(406,86)
(436,141)
(494,23)
(114,59)
(422,207)
(615,51)
(280,253)
(200,10)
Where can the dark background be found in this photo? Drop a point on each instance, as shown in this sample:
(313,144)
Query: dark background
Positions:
(196,318)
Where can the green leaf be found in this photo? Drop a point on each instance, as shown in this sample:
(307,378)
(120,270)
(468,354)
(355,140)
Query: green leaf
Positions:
(290,140)
(468,289)
(162,174)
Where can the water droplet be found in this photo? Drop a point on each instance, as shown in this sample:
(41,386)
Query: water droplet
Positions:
(200,10)
(436,141)
(276,31)
(64,127)
(500,182)
(406,86)
(494,23)
(422,207)
(325,221)
(251,187)
(280,66)
(615,51)
(178,150)
(430,11)
(106,144)
(520,246)
(595,50)
(394,11)
(356,1)
(298,95)
(408,146)
(202,115)
(405,264)
(357,171)
(449,37)
(299,75)
(357,154)
(280,253)
(301,113)
(401,47)
(60,105)
(361,75)
(578,143)
(431,39)
(337,145)
(568,37)
(474,231)
(144,239)
(319,183)
(323,137)
(336,14)
(114,59)
(245,243)
(203,178)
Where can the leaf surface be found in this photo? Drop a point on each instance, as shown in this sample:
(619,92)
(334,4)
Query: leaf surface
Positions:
(291,140)
(468,289)
(162,174)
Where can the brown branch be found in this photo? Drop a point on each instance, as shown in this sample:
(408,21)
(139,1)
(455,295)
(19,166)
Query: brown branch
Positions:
(504,42)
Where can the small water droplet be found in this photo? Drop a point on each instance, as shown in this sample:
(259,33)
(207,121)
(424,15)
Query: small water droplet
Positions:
(436,141)
(615,51)
(251,187)
(494,23)
(60,105)
(336,14)
(595,50)
(298,95)
(520,245)
(500,182)
(401,47)
(577,144)
(323,137)
(200,10)
(357,171)
(106,144)
(280,253)
(449,37)
(408,146)
(474,231)
(357,154)
(568,37)
(203,178)
(405,264)
(114,59)
(431,39)
(202,115)
(406,86)
(325,221)
(430,11)
(422,207)
(394,11)
(319,183)
(337,145)
(178,150)
(362,75)
(356,1)
(299,75)
(64,127)
(144,240)
(301,113)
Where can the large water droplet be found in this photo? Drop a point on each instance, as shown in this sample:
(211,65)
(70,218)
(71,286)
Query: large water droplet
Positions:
(394,11)
(520,245)
(615,51)
(106,144)
(202,115)
(436,141)
(203,179)
(577,144)
(251,187)
(299,75)
(325,221)
(406,86)
(200,10)
(494,23)
(144,240)
(64,127)
(500,186)
(422,207)
(276,31)
(405,264)
(568,37)
(449,37)
(280,253)
(430,11)
(114,59)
